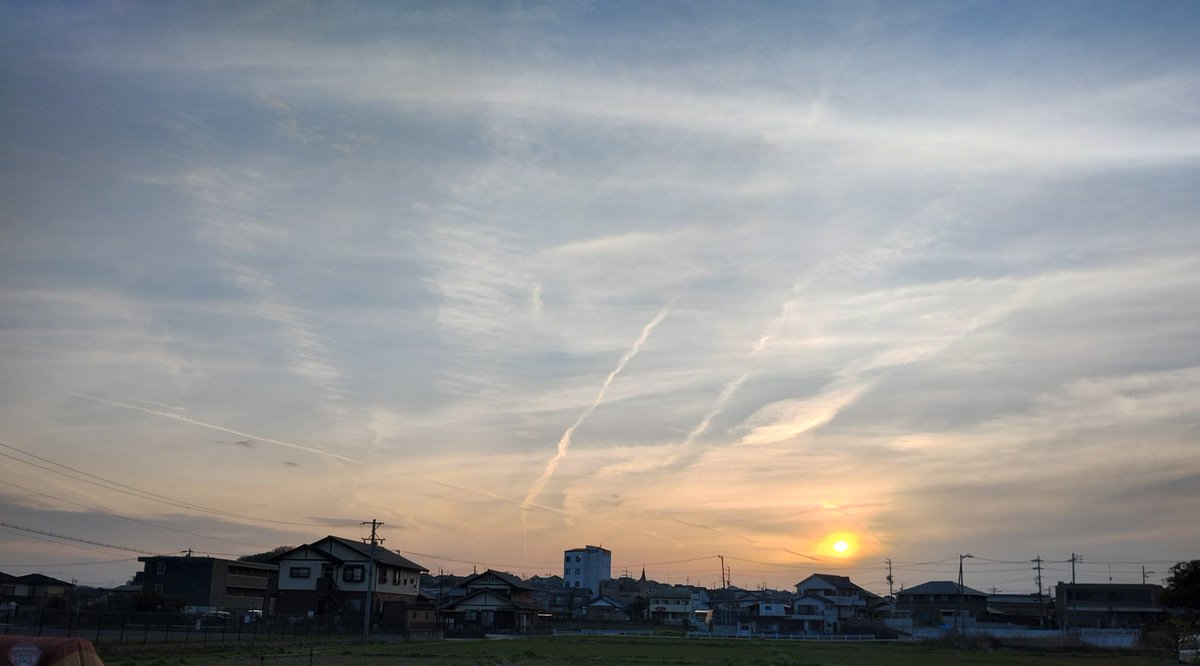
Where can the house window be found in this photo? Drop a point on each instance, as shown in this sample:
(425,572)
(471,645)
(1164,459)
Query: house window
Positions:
(354,573)
(382,575)
(162,568)
(299,572)
(396,577)
(576,558)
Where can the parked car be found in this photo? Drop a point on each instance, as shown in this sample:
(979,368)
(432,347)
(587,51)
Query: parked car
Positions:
(1189,649)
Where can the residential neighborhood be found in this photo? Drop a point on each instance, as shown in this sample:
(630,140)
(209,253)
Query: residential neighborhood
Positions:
(352,584)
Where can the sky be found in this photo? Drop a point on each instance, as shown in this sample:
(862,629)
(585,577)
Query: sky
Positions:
(683,280)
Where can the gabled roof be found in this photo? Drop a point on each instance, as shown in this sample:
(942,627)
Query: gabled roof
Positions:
(507,600)
(382,555)
(506,578)
(605,600)
(838,582)
(940,587)
(39,579)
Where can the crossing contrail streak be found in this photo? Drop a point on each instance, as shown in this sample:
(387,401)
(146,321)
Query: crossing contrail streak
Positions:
(210,426)
(684,454)
(564,443)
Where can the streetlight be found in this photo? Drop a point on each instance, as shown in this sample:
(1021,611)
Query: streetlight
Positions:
(960,592)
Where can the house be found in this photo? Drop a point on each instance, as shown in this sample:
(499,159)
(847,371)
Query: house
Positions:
(605,609)
(849,603)
(204,584)
(669,604)
(1030,610)
(1108,605)
(491,601)
(625,589)
(938,602)
(334,576)
(33,592)
(566,603)
(814,613)
(771,616)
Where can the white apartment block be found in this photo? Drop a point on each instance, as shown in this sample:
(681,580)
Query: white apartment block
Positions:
(586,567)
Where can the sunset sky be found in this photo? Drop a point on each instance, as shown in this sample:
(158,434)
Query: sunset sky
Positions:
(684,280)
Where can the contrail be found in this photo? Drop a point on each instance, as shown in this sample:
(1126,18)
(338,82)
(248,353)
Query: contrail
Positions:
(211,426)
(564,444)
(718,404)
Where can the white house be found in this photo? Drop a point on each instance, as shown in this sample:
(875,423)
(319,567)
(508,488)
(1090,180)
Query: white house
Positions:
(333,576)
(846,601)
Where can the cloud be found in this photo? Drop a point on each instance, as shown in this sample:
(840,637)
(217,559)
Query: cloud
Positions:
(918,257)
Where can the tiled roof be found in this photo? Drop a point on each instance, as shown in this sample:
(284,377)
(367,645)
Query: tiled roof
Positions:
(939,587)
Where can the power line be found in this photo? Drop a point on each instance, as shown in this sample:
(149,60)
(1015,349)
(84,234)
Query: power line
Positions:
(129,518)
(143,494)
(43,565)
(76,539)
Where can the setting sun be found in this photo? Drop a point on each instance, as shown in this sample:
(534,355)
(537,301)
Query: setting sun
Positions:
(839,544)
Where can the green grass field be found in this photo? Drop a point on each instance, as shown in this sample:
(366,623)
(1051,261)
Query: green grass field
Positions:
(579,651)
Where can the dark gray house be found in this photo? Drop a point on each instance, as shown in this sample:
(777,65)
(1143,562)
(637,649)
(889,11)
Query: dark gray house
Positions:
(936,603)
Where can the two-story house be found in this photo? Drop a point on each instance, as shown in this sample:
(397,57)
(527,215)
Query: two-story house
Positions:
(335,576)
(32,592)
(669,604)
(491,601)
(942,603)
(828,603)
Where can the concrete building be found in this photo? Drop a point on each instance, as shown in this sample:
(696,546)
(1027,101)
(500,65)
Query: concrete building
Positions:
(1108,605)
(202,584)
(586,567)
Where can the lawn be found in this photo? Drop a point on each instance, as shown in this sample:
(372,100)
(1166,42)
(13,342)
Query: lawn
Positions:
(580,651)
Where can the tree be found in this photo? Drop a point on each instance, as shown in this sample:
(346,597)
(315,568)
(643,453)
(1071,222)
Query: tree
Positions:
(637,608)
(1183,586)
(265,558)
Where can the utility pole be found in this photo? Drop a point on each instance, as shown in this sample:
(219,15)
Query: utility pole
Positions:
(1041,615)
(374,540)
(1071,593)
(722,557)
(889,578)
(958,615)
(1144,572)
